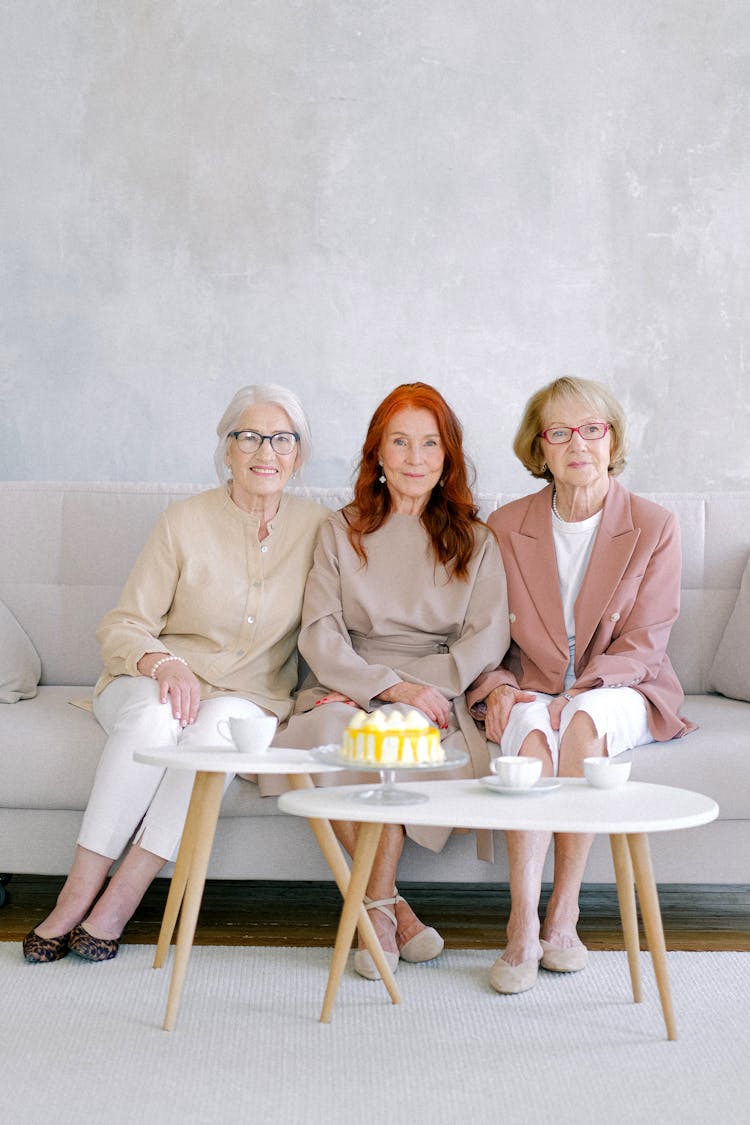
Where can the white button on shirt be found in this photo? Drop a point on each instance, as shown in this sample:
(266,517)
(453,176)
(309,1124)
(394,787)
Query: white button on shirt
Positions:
(614,617)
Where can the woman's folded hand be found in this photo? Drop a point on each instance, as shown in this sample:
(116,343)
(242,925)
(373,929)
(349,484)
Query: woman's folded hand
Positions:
(500,702)
(428,700)
(336,697)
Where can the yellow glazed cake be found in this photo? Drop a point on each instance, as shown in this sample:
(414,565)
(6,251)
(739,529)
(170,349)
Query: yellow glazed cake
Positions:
(391,740)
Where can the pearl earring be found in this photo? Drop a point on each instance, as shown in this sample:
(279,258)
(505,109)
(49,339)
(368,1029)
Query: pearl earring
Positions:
(381,478)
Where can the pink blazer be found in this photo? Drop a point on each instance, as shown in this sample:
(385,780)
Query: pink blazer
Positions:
(628,602)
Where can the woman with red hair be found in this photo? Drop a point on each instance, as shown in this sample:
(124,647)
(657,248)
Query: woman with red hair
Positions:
(404,606)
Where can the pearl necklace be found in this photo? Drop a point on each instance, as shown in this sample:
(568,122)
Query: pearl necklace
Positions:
(554,509)
(554,506)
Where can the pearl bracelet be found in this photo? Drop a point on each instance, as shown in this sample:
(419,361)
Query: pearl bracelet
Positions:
(165,660)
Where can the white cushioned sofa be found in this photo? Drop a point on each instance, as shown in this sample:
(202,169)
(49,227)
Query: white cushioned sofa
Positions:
(67,549)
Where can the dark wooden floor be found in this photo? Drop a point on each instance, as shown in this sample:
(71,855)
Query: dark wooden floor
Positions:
(469,916)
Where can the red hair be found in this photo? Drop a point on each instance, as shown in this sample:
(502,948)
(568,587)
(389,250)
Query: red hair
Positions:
(450,513)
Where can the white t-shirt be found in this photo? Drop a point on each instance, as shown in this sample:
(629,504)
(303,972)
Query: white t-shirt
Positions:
(574,543)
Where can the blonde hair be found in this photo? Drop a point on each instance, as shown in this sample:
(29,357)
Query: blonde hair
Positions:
(528,444)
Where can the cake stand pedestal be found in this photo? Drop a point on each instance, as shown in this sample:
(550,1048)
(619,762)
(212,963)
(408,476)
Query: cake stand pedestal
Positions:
(389,793)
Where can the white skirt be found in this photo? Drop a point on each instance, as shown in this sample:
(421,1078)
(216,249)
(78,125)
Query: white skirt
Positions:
(618,713)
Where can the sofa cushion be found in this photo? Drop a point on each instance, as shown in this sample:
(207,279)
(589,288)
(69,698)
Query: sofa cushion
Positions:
(730,671)
(50,751)
(20,666)
(54,767)
(713,759)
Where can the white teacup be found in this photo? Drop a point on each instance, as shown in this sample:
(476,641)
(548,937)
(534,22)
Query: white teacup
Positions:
(251,735)
(603,773)
(517,773)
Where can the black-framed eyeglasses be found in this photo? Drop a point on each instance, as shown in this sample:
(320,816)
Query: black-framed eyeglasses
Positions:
(282,442)
(590,431)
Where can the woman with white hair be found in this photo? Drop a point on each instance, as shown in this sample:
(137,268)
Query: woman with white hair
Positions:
(206,627)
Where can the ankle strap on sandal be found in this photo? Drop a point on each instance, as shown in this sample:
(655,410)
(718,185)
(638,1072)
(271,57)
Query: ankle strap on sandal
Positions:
(380,904)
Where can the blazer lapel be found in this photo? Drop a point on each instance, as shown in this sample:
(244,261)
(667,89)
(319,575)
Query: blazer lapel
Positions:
(613,549)
(534,550)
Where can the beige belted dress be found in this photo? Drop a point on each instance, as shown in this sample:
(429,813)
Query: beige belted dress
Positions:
(401,616)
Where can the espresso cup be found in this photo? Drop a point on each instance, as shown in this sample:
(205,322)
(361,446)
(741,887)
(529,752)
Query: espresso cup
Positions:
(603,773)
(251,735)
(516,772)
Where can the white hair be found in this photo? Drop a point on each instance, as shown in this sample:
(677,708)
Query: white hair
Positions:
(250,396)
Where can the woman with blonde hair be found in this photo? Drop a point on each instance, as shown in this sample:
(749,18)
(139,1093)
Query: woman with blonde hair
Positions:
(593,591)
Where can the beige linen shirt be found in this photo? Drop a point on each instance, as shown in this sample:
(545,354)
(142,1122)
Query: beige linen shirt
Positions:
(206,589)
(403,616)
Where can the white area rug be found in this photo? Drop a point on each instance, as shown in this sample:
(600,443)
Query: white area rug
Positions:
(84,1043)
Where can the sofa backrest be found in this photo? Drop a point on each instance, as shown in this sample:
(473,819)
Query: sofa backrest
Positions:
(68,548)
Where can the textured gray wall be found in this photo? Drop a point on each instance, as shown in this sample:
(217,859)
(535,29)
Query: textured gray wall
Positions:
(341,196)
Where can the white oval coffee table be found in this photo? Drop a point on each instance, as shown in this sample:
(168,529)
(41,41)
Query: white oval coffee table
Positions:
(211,764)
(627,815)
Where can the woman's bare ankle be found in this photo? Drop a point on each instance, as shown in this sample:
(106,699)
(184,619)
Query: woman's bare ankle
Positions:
(62,919)
(561,938)
(107,920)
(522,942)
(516,952)
(560,925)
(384,930)
(408,925)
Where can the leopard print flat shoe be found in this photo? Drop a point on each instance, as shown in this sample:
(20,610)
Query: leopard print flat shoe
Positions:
(92,948)
(40,950)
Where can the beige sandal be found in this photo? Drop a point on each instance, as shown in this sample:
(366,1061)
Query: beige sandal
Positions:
(424,946)
(511,979)
(569,960)
(363,962)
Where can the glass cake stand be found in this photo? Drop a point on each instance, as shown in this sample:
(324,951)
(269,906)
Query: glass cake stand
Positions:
(388,793)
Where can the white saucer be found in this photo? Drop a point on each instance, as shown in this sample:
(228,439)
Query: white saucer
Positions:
(544,785)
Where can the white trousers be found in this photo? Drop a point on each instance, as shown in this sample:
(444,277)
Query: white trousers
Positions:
(618,713)
(130,800)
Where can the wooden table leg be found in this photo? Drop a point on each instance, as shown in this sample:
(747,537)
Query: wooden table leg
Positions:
(649,900)
(368,839)
(329,846)
(628,913)
(179,879)
(208,792)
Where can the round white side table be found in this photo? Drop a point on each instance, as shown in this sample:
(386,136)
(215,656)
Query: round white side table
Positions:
(211,764)
(626,815)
